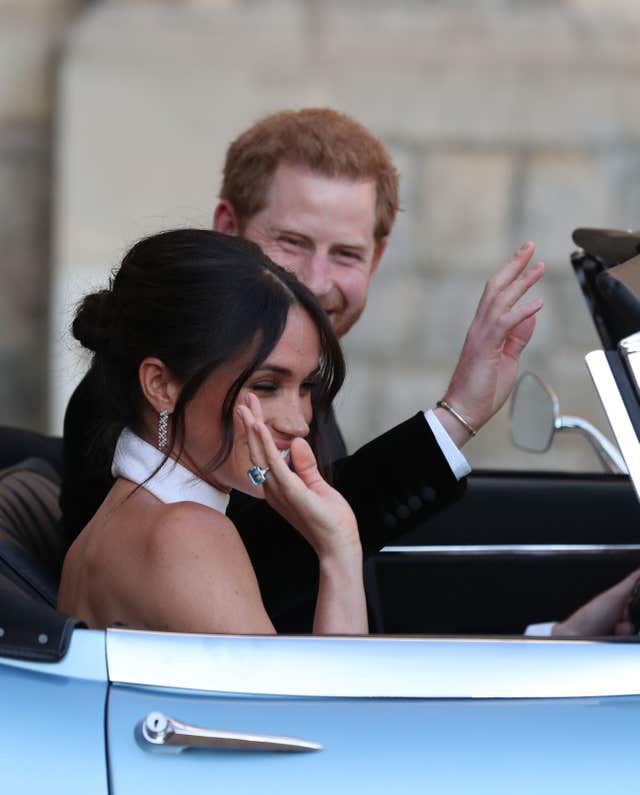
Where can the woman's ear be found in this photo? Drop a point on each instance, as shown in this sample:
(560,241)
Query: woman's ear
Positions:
(158,384)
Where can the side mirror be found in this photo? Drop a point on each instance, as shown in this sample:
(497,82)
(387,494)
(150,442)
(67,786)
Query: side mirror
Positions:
(533,414)
(534,418)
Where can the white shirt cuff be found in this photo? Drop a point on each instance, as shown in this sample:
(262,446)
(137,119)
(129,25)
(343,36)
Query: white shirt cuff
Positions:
(458,463)
(542,630)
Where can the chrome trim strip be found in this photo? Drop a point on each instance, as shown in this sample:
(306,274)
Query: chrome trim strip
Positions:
(374,667)
(616,412)
(610,458)
(511,549)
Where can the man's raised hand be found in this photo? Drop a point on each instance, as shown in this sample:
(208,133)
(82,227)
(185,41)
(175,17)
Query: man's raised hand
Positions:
(488,364)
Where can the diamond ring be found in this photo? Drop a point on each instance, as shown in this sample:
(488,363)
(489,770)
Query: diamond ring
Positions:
(257,475)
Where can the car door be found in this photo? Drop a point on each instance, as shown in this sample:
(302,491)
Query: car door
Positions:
(407,715)
(520,548)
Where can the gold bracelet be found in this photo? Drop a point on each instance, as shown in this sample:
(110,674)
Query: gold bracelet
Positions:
(444,405)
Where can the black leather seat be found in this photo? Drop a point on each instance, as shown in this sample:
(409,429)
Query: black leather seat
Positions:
(32,547)
(17,444)
(31,542)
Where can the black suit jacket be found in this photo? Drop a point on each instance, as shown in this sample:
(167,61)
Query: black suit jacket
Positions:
(393,484)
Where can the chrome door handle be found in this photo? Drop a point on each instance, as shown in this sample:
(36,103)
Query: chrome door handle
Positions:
(157,730)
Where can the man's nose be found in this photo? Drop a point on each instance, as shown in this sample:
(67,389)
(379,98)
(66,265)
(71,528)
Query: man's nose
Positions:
(316,274)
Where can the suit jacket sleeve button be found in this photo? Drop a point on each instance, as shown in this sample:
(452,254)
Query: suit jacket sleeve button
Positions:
(403,512)
(428,494)
(390,521)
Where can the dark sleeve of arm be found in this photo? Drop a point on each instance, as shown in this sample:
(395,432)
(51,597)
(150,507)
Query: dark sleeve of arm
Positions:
(397,482)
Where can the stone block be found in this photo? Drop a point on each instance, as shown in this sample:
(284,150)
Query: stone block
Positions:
(24,263)
(238,34)
(356,404)
(401,255)
(406,389)
(29,37)
(391,321)
(449,305)
(22,387)
(466,210)
(40,11)
(621,182)
(571,327)
(497,87)
(563,190)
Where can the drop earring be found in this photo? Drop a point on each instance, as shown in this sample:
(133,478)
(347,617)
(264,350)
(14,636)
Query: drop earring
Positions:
(163,427)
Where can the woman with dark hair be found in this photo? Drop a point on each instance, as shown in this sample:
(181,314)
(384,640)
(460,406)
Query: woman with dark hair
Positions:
(212,360)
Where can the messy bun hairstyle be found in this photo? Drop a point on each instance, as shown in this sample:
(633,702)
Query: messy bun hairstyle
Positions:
(93,322)
(195,299)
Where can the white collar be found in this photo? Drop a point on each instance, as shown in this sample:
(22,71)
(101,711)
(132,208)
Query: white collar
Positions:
(137,461)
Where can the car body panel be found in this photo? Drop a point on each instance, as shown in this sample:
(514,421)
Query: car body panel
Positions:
(384,745)
(53,721)
(410,714)
(426,716)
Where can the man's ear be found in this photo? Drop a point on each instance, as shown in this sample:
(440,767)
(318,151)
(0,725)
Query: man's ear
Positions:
(378,251)
(158,385)
(225,218)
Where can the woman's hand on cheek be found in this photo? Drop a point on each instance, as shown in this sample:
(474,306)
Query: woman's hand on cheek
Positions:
(303,497)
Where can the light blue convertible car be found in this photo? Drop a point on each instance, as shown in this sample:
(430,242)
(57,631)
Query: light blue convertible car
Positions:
(420,710)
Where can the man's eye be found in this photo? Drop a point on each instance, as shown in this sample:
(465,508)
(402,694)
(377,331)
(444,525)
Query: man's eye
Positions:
(290,241)
(352,256)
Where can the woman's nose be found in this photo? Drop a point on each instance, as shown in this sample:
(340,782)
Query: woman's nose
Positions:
(291,421)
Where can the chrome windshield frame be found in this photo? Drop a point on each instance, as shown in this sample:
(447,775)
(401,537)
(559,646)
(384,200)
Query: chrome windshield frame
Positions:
(617,414)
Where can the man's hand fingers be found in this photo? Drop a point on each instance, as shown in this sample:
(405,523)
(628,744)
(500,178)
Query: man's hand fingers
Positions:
(624,628)
(496,302)
(622,590)
(514,292)
(518,337)
(512,268)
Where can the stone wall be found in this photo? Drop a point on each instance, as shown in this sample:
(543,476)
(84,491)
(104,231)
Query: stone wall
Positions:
(30,32)
(508,120)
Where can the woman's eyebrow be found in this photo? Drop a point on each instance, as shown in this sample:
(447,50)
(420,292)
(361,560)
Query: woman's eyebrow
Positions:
(274,368)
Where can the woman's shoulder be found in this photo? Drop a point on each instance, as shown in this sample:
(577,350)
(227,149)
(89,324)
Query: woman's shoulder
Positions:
(191,530)
(189,524)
